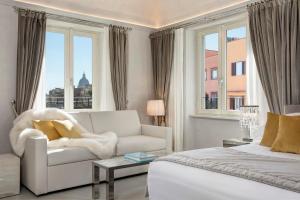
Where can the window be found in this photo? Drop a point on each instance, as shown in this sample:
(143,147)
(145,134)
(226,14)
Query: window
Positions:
(214,74)
(70,67)
(238,68)
(236,102)
(223,54)
(210,65)
(54,72)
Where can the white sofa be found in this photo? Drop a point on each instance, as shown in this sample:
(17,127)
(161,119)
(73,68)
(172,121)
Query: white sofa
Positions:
(45,170)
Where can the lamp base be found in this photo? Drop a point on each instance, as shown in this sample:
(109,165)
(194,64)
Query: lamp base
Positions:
(156,121)
(247,135)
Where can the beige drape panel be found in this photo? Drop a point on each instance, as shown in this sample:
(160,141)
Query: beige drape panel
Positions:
(275,36)
(31,42)
(162,49)
(118,42)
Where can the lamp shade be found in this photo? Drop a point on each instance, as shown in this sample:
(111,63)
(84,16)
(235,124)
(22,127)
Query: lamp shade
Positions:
(155,108)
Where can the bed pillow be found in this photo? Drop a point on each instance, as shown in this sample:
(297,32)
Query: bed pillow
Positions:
(47,127)
(288,138)
(271,130)
(65,128)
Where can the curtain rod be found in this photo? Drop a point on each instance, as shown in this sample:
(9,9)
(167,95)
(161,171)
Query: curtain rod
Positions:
(210,17)
(71,19)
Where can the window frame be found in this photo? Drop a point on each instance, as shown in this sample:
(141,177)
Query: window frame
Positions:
(221,29)
(235,66)
(96,34)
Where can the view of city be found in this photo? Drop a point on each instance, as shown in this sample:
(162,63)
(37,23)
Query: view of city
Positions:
(82,96)
(236,81)
(56,69)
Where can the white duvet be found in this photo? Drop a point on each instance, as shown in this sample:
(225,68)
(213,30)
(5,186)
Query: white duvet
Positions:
(170,181)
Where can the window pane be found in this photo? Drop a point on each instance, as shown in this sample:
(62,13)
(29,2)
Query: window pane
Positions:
(54,72)
(211,57)
(236,86)
(83,67)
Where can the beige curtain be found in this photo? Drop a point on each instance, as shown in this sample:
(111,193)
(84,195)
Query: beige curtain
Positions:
(31,42)
(118,42)
(275,36)
(162,49)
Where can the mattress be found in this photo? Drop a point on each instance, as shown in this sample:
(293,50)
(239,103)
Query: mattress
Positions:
(170,181)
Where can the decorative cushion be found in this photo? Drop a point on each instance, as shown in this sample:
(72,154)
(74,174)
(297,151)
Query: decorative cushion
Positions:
(65,128)
(139,143)
(271,129)
(288,138)
(47,127)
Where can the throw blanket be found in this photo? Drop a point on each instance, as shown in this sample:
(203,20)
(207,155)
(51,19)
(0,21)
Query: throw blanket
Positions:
(102,145)
(279,172)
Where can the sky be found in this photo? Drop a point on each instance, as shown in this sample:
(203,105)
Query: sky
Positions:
(54,59)
(211,40)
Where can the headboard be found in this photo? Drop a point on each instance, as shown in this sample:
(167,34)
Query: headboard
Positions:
(291,109)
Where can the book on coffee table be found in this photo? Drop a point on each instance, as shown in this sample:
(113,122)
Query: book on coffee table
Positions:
(140,157)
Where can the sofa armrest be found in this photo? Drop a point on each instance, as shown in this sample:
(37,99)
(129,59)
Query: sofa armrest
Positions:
(160,132)
(35,164)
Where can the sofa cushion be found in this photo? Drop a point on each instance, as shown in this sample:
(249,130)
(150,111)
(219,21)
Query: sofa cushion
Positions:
(139,143)
(84,120)
(63,155)
(123,123)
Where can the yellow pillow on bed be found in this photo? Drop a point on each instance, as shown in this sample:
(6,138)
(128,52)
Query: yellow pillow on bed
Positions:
(271,130)
(288,137)
(47,127)
(65,128)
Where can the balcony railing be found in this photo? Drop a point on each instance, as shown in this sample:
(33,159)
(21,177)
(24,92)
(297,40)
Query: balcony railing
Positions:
(79,102)
(211,103)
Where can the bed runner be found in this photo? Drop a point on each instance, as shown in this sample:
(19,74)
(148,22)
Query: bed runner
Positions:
(279,172)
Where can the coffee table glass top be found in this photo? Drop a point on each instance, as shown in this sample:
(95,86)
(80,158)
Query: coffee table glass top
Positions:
(121,162)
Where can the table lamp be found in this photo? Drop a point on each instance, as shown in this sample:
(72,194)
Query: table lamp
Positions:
(249,120)
(155,108)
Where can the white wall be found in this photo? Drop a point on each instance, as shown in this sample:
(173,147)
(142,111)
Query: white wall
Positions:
(140,78)
(8,57)
(140,84)
(211,132)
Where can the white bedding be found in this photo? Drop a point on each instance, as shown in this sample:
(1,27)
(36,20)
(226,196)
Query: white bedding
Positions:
(170,181)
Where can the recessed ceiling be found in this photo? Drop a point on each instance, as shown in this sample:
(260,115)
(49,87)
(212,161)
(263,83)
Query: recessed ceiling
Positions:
(150,13)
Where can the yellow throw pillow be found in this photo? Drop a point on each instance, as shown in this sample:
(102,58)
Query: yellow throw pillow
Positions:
(271,130)
(47,128)
(288,138)
(66,128)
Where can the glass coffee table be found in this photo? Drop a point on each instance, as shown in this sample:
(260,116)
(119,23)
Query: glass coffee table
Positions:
(110,165)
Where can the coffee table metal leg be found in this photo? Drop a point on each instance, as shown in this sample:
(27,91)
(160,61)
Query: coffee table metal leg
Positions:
(96,174)
(147,191)
(110,184)
(96,191)
(96,182)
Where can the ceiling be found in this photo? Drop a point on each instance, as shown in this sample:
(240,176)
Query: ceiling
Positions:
(149,13)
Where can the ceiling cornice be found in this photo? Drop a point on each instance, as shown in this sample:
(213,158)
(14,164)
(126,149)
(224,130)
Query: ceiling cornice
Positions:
(97,18)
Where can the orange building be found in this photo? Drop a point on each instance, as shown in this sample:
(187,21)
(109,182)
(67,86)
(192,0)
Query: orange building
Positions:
(236,83)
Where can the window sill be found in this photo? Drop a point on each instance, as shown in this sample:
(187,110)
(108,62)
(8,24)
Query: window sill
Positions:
(217,116)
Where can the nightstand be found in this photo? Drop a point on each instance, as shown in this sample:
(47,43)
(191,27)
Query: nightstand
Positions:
(9,175)
(234,142)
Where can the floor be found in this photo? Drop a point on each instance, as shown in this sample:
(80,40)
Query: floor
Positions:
(132,188)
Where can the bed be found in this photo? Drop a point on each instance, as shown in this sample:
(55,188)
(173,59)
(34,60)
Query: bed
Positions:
(172,181)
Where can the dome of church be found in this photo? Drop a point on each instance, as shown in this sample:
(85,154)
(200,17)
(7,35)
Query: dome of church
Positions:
(83,82)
